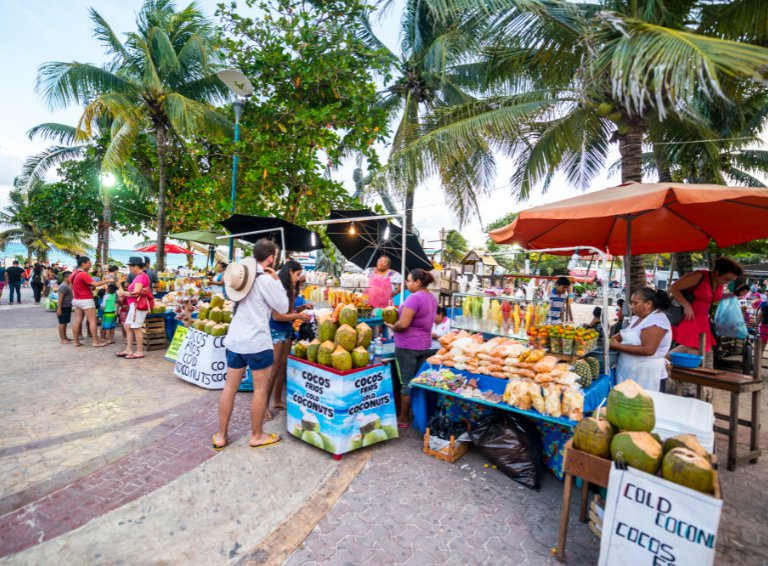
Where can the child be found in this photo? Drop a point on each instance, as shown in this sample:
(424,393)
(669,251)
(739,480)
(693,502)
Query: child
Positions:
(64,307)
(109,318)
(558,299)
(122,309)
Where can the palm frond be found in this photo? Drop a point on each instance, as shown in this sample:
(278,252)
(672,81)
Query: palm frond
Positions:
(36,166)
(59,133)
(103,32)
(62,84)
(187,116)
(739,20)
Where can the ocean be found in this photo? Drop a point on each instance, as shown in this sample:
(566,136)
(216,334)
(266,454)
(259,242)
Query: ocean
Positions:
(171,260)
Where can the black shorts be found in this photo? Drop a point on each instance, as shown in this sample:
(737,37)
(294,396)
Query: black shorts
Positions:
(408,363)
(66,315)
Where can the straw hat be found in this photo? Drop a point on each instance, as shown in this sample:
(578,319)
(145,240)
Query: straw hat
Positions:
(239,278)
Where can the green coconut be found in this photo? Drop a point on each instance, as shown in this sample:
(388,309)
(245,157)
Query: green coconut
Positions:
(389,315)
(202,312)
(219,330)
(346,337)
(360,357)
(217,301)
(364,335)
(300,349)
(326,330)
(227,316)
(593,436)
(369,423)
(216,314)
(209,326)
(313,438)
(348,315)
(341,360)
(684,467)
(324,353)
(638,449)
(630,408)
(688,441)
(199,325)
(312,349)
(374,436)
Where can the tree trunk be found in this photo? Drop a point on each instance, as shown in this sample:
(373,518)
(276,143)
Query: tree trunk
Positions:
(29,255)
(410,197)
(107,216)
(683,263)
(631,150)
(161,150)
(99,243)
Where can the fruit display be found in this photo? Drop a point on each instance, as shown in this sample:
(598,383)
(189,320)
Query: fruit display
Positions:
(446,380)
(338,346)
(569,340)
(626,434)
(214,317)
(333,296)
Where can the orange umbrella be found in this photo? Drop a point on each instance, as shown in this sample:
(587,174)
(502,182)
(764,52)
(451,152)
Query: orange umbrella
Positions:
(644,218)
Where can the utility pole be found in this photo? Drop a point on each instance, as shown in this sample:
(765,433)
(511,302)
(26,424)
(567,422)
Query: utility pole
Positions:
(443,236)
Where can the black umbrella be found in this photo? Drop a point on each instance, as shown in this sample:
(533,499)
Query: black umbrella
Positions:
(363,241)
(297,238)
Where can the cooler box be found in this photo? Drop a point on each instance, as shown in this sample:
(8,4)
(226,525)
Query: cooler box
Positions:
(679,415)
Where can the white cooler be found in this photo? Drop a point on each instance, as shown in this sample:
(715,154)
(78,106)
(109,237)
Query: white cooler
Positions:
(679,415)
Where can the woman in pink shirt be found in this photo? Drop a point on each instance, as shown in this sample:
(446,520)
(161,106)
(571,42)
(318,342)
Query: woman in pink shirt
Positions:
(134,320)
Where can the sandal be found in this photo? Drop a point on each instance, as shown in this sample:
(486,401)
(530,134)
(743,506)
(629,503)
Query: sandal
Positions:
(215,446)
(133,357)
(120,354)
(273,439)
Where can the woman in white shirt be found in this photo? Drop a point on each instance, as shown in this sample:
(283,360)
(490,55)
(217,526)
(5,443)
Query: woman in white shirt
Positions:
(645,342)
(440,327)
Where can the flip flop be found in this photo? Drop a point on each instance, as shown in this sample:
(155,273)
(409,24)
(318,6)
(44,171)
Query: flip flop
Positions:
(215,446)
(274,439)
(133,357)
(400,425)
(120,354)
(99,345)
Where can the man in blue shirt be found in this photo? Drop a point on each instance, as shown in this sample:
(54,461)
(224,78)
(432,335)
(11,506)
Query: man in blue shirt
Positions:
(557,300)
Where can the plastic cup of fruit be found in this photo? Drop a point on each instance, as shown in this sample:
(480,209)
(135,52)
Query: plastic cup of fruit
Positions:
(555,344)
(567,346)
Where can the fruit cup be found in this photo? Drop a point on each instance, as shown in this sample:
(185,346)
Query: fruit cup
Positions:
(555,344)
(567,345)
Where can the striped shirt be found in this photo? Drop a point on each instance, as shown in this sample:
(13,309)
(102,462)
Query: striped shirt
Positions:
(556,304)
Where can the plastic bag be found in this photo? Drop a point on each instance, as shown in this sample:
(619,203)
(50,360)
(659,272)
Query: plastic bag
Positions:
(729,320)
(513,444)
(441,426)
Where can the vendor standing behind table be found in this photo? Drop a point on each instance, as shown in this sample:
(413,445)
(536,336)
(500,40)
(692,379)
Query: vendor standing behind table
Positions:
(706,288)
(645,342)
(413,335)
(383,283)
(557,300)
(218,279)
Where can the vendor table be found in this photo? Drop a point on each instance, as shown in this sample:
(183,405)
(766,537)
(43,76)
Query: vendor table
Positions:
(735,384)
(555,431)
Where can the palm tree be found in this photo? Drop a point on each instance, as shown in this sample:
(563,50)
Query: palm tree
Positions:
(160,80)
(567,80)
(430,43)
(16,226)
(455,247)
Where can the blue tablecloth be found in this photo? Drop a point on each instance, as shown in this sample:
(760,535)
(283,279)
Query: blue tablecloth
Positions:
(555,432)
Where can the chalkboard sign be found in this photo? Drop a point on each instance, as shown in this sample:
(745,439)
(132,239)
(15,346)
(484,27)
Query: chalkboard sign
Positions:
(178,338)
(649,520)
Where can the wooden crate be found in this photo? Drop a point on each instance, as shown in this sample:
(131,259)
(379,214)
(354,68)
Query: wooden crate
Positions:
(454,450)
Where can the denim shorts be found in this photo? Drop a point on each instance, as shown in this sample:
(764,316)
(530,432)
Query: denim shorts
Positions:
(281,335)
(257,361)
(408,363)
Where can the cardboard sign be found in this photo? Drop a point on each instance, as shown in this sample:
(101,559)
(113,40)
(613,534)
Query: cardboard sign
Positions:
(649,520)
(340,413)
(178,339)
(202,360)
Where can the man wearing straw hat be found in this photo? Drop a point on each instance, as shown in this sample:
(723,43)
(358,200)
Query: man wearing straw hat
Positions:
(254,285)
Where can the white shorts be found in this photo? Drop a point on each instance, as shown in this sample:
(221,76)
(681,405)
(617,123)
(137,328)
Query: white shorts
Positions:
(135,319)
(84,304)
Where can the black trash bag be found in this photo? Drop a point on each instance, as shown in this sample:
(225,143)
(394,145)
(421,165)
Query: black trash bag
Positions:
(513,444)
(441,425)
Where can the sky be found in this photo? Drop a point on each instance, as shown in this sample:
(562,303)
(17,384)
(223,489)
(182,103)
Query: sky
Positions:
(36,31)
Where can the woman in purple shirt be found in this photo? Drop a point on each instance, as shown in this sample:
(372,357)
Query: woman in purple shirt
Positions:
(413,335)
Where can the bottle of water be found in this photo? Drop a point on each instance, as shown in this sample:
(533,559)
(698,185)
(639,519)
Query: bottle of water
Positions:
(378,352)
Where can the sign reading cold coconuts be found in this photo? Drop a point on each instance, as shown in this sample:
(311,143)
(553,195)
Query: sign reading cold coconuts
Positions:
(665,507)
(336,400)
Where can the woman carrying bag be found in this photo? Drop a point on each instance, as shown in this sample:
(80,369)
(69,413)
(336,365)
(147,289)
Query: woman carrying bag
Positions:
(140,301)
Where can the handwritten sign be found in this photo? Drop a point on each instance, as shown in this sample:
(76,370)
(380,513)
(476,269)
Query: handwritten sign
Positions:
(649,520)
(202,360)
(178,339)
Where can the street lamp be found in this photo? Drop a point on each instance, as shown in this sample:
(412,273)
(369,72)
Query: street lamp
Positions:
(241,87)
(108,180)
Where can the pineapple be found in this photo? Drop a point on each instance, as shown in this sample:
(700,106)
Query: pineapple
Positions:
(582,369)
(594,363)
